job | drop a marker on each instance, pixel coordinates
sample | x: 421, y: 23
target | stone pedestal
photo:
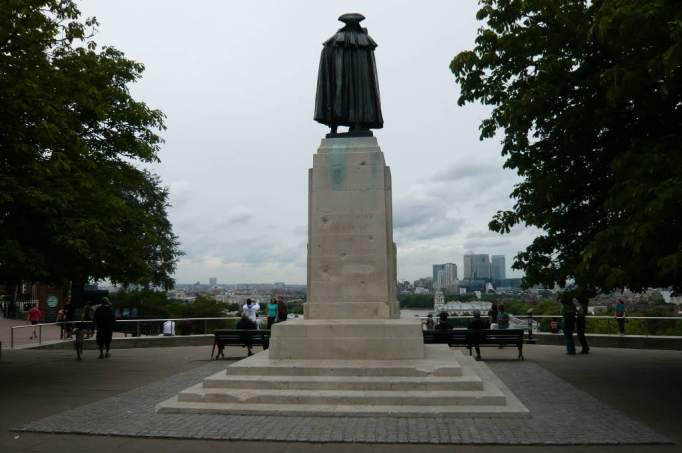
x: 347, y: 339
x: 352, y: 310
x: 351, y: 254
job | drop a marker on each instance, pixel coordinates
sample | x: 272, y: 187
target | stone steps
x: 333, y: 410
x: 444, y: 382
x: 199, y: 393
x: 465, y: 382
x: 262, y: 365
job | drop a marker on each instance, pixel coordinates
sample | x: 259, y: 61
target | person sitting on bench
x: 477, y: 324
x: 443, y: 323
x: 245, y: 323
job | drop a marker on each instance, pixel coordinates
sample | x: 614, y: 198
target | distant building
x: 499, y: 267
x: 508, y: 283
x: 463, y: 308
x: 477, y: 267
x: 468, y: 272
x: 425, y: 283
x: 212, y: 281
x: 438, y: 298
x: 444, y: 276
x: 437, y: 275
x: 404, y: 286
x: 471, y: 285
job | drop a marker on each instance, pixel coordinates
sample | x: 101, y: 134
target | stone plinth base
x: 347, y: 339
x: 444, y: 382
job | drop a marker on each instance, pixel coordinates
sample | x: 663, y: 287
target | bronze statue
x: 347, y: 85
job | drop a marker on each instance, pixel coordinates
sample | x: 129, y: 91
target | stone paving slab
x: 560, y: 415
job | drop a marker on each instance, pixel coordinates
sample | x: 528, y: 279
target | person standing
x: 60, y: 320
x: 568, y: 315
x: 104, y: 323
x: 250, y: 309
x: 475, y: 326
x: 492, y: 313
x: 619, y: 314
x: 86, y: 326
x: 502, y: 318
x: 429, y: 324
x: 272, y: 312
x: 282, y: 311
x: 69, y: 316
x: 580, y: 322
x: 34, y: 316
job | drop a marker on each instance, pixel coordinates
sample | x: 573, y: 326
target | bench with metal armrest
x: 238, y: 337
x: 469, y: 338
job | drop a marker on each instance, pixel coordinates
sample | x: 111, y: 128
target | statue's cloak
x: 347, y: 84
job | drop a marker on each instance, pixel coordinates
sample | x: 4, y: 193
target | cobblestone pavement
x: 561, y: 415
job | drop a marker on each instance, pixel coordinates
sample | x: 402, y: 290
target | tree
x: 588, y: 95
x: 74, y: 204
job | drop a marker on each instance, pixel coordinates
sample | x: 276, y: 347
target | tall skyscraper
x: 468, y: 267
x: 477, y: 267
x: 212, y: 281
x: 444, y: 275
x: 499, y: 267
x: 437, y: 268
x: 450, y: 270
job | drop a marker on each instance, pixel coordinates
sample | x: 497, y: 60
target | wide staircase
x: 444, y: 382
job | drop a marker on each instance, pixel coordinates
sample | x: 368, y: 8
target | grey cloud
x: 459, y: 171
x: 486, y: 244
x: 487, y: 234
x: 237, y: 215
x: 423, y: 218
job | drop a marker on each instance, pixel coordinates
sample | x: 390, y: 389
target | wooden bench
x: 468, y: 338
x: 236, y: 337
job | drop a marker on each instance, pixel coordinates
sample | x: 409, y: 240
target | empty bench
x: 468, y: 338
x: 236, y: 337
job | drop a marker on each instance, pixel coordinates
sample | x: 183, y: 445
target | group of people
x: 276, y: 311
x: 498, y: 318
x: 573, y: 316
x: 476, y: 324
x: 95, y: 317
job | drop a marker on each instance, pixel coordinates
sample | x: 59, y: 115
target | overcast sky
x: 237, y: 83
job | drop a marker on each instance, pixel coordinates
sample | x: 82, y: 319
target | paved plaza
x: 611, y: 396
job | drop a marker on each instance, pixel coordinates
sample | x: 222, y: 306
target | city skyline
x: 241, y: 134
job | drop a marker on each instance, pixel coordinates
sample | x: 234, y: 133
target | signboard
x: 52, y: 301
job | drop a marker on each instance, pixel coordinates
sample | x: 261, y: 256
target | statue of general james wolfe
x: 347, y: 85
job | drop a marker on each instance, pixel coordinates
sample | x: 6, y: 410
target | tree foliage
x: 589, y: 97
x: 156, y: 304
x: 74, y: 203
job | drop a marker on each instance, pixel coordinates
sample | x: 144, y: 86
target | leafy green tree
x: 74, y: 204
x: 588, y: 95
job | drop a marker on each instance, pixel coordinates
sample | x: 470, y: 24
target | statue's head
x: 352, y: 19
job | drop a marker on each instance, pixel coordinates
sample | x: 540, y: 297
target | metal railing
x: 647, y: 326
x: 136, y: 328
x: 607, y: 325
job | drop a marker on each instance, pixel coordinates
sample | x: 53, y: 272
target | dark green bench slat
x: 236, y: 337
x: 484, y: 337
